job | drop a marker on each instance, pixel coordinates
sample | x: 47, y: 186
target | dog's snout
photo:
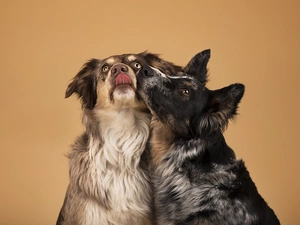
x: 147, y: 71
x: 119, y: 68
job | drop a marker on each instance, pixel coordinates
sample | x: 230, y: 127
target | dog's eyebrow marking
x: 110, y: 60
x: 131, y: 58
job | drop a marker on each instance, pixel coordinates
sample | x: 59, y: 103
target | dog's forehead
x: 121, y: 58
x: 185, y: 81
x: 181, y: 79
x: 159, y: 72
x: 131, y: 57
x: 111, y: 60
x: 134, y: 57
x: 181, y: 76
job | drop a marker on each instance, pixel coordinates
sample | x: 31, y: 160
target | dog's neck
x: 212, y: 148
x: 164, y: 143
x: 161, y: 141
x: 117, y: 138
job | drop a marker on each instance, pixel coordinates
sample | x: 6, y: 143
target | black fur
x: 196, y: 177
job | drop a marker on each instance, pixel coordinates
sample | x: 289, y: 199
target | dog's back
x: 196, y: 178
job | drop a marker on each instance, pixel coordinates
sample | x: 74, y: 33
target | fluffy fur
x: 109, y: 182
x: 196, y: 178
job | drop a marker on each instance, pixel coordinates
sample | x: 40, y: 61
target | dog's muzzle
x: 119, y: 72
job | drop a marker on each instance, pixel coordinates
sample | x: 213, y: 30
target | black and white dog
x: 109, y: 181
x: 196, y: 178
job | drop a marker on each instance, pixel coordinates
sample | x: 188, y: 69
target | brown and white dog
x: 109, y: 182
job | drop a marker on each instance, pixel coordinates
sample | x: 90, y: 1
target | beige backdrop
x: 43, y: 44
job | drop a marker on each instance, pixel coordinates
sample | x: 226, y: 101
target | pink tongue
x: 123, y: 79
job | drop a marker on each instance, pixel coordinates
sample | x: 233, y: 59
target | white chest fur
x: 114, y: 166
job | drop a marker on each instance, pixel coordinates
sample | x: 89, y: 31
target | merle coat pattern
x: 196, y: 177
x: 109, y: 182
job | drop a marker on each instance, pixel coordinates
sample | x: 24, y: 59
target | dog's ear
x: 197, y: 66
x: 84, y: 84
x: 164, y: 66
x: 221, y: 107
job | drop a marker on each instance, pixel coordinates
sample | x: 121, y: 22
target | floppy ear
x: 84, y: 84
x: 164, y: 66
x: 221, y: 107
x: 197, y: 66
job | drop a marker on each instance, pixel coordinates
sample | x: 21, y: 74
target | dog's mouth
x: 122, y: 79
x: 123, y: 84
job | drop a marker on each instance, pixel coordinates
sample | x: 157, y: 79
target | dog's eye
x: 185, y: 92
x: 137, y: 65
x: 105, y: 68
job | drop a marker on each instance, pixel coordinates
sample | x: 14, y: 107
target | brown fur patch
x: 161, y: 141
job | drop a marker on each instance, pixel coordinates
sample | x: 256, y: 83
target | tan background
x: 44, y: 43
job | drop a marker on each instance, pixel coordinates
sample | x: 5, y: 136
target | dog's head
x: 184, y: 103
x: 112, y: 81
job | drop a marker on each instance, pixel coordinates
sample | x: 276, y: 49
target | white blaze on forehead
x: 179, y: 77
x: 131, y: 58
x: 158, y: 71
x: 167, y: 76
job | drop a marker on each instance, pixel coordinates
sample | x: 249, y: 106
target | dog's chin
x: 123, y: 88
x: 124, y: 95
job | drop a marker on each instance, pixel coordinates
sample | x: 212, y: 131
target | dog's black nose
x: 147, y: 71
x: 119, y: 68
